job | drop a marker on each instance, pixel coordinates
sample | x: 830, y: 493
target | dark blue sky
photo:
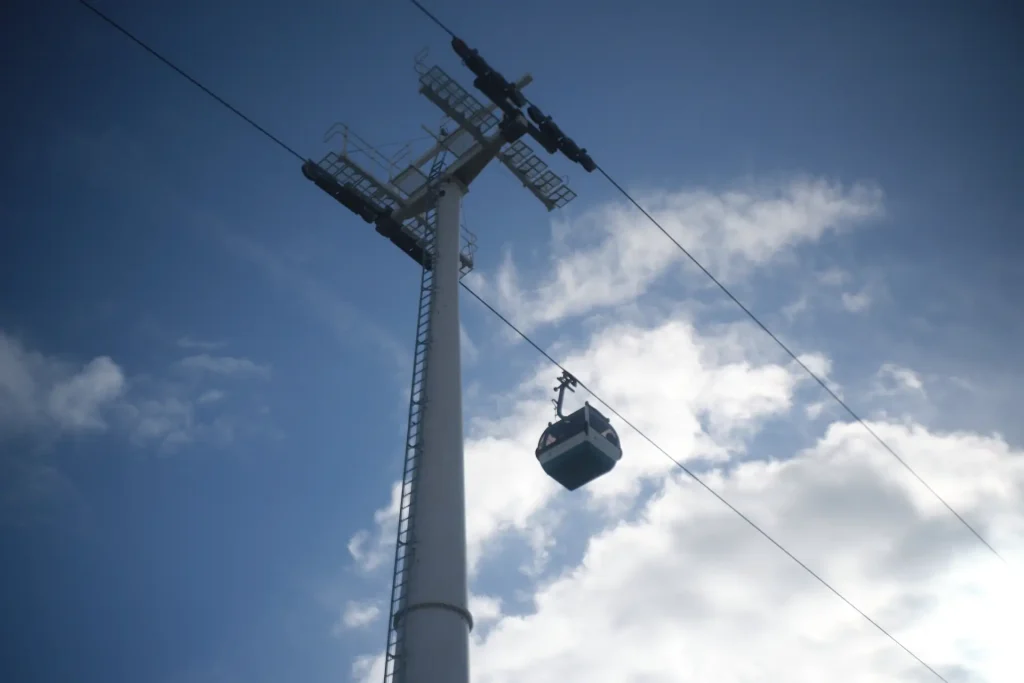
x: 136, y: 212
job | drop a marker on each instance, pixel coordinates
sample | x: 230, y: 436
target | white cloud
x: 76, y: 402
x: 225, y: 365
x: 613, y: 254
x: 36, y: 391
x: 168, y: 421
x: 792, y: 310
x: 817, y: 363
x: 856, y: 303
x: 46, y: 396
x: 644, y: 576
x: 677, y: 567
x: 19, y: 393
x: 898, y: 390
x: 821, y: 366
x: 211, y: 396
x: 671, y: 594
x: 357, y: 615
x: 371, y: 551
x: 469, y: 351
x: 815, y: 410
x: 820, y: 289
x: 688, y: 572
x: 667, y: 379
x: 485, y: 609
x: 904, y: 378
x: 833, y: 277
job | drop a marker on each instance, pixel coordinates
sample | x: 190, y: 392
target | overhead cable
x: 194, y: 82
x: 813, y: 375
x: 690, y: 473
x: 640, y: 432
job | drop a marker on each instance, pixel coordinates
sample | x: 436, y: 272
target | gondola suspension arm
x: 566, y: 381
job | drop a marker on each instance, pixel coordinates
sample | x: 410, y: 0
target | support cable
x: 690, y: 473
x: 493, y: 310
x: 813, y: 375
x: 194, y: 82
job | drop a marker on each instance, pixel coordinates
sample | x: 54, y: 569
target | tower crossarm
x: 399, y: 207
x: 511, y: 100
x: 465, y: 170
x: 461, y: 106
x: 459, y: 141
x: 376, y: 203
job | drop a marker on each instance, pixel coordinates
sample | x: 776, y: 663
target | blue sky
x: 196, y: 529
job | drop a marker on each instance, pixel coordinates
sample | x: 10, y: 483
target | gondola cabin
x: 579, y: 448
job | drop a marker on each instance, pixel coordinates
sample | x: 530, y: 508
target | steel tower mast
x: 419, y: 212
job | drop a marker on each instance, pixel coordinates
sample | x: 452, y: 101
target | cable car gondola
x: 580, y: 447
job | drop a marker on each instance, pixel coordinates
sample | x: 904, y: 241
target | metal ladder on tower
x: 405, y: 545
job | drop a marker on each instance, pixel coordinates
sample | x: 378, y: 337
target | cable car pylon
x: 418, y: 211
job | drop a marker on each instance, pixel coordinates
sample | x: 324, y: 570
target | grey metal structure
x: 418, y: 210
x: 478, y: 121
x: 413, y: 447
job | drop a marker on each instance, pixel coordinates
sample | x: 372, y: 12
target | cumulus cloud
x: 356, y: 615
x: 791, y: 310
x: 833, y: 277
x: 46, y: 396
x: 692, y: 394
x: 167, y: 421
x: 666, y: 565
x: 670, y: 596
x: 669, y: 592
x: 211, y: 396
x: 697, y: 395
x: 613, y: 254
x: 643, y: 575
x: 895, y: 378
x: 36, y: 390
x: 485, y: 609
x: 895, y: 390
x: 76, y: 402
x: 856, y: 302
x: 470, y: 353
x: 819, y: 364
x: 372, y: 550
x: 863, y: 294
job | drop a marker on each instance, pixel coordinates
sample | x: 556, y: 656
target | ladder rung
x: 405, y: 537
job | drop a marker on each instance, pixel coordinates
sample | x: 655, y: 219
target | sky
x: 205, y: 361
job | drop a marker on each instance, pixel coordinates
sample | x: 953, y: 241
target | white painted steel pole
x: 437, y: 619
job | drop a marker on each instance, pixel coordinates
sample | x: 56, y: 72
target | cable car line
x: 544, y: 353
x: 434, y: 19
x: 690, y: 473
x: 181, y: 72
x: 806, y: 369
x: 537, y: 115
